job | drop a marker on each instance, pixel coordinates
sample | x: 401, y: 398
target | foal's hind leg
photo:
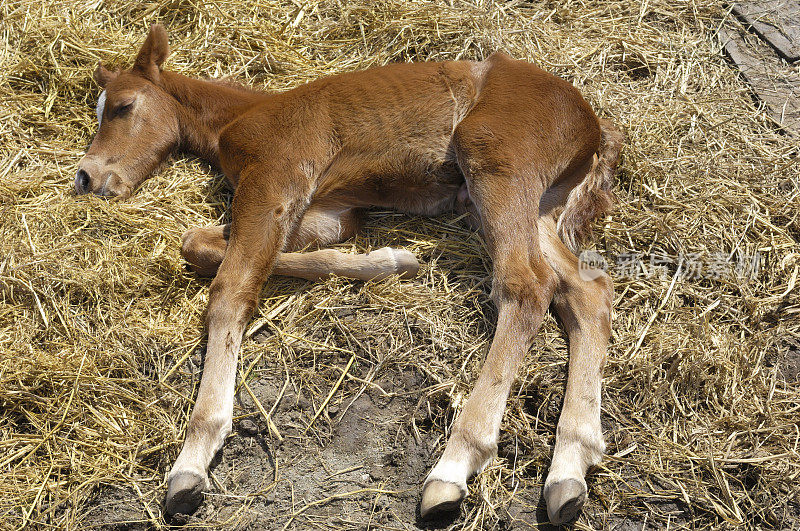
x: 522, y: 288
x: 584, y: 307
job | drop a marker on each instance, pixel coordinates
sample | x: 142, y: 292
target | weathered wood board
x: 776, y: 21
x: 775, y: 83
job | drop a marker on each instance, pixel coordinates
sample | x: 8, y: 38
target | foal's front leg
x: 204, y: 248
x: 262, y: 216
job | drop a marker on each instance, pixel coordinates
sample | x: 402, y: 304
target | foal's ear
x: 103, y: 76
x: 153, y: 53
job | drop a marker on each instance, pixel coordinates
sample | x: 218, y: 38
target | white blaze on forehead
x: 101, y: 105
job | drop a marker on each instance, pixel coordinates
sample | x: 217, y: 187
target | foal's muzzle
x: 91, y: 178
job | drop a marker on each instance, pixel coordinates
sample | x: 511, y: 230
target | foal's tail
x: 593, y: 196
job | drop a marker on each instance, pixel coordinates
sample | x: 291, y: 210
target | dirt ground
x: 369, y: 464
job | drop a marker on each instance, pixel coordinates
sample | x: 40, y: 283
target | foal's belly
x: 413, y: 181
x: 427, y: 191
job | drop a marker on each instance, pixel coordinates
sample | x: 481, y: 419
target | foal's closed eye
x: 124, y: 108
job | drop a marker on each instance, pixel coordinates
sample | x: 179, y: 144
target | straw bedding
x: 101, y: 324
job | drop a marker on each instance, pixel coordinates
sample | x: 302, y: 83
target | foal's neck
x: 206, y: 108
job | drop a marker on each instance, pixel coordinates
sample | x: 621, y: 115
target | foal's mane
x: 231, y: 83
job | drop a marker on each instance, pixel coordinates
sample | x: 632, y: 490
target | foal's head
x: 138, y: 124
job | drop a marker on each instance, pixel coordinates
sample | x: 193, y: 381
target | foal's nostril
x: 81, y: 182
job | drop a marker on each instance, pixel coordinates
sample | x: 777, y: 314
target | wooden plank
x: 775, y: 21
x: 775, y: 83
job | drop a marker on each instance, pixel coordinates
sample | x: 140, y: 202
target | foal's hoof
x: 184, y: 493
x: 439, y: 497
x: 407, y: 263
x: 564, y: 500
x: 400, y: 261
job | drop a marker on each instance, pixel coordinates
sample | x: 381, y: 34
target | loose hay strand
x: 101, y: 324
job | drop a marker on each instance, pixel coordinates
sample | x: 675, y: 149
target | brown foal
x: 517, y: 149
